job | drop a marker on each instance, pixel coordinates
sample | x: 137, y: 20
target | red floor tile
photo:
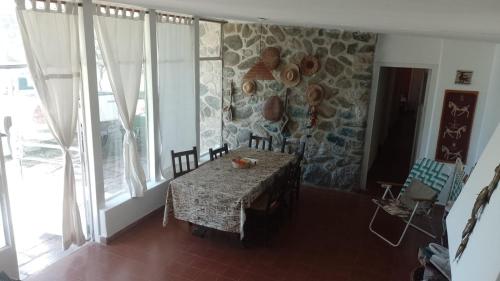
x: 327, y: 238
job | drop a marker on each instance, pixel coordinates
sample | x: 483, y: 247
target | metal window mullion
x: 197, y: 79
x: 153, y: 109
x: 91, y: 115
x: 221, y: 41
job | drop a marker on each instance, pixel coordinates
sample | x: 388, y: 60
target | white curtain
x: 51, y: 43
x: 176, y: 90
x: 121, y: 39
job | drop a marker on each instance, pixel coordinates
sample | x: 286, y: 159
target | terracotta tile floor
x: 326, y: 239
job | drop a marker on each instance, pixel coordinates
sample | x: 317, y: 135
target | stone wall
x: 335, y: 148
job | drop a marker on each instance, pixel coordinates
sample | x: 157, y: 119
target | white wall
x: 116, y: 217
x: 481, y: 258
x: 467, y: 55
x: 491, y: 114
x: 444, y: 57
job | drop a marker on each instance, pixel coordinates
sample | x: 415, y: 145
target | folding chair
x: 417, y: 197
x: 457, y: 183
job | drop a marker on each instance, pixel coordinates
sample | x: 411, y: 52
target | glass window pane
x: 112, y: 132
x: 210, y: 33
x: 210, y: 104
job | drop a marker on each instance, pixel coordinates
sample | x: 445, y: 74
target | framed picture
x: 463, y: 77
x: 456, y: 125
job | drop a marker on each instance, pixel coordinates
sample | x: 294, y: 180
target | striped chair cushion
x: 429, y: 172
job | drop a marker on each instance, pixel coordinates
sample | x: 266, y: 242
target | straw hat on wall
x: 248, y: 87
x: 309, y: 65
x: 314, y: 94
x: 273, y: 109
x: 271, y: 57
x: 290, y: 75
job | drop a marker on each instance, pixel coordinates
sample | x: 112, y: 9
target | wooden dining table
x: 216, y: 194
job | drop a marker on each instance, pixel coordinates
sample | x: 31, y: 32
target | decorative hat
x: 314, y: 94
x: 290, y: 75
x: 273, y: 109
x: 271, y: 57
x: 259, y: 71
x: 309, y: 65
x: 248, y: 87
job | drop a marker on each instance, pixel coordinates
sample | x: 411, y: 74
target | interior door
x: 418, y: 86
x: 8, y: 257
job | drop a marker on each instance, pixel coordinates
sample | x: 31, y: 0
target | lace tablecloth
x: 215, y: 195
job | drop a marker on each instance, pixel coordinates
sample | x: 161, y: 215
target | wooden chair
x: 295, y: 178
x: 259, y: 139
x: 219, y: 151
x: 266, y: 208
x: 178, y: 156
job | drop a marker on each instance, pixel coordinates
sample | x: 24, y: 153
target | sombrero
x: 290, y: 75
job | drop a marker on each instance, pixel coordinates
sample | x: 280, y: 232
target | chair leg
x: 291, y: 199
x: 268, y: 231
x: 298, y: 187
x: 408, y: 224
x: 432, y: 235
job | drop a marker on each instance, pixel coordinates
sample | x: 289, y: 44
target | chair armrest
x: 388, y: 183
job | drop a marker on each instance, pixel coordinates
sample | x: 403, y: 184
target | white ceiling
x: 477, y: 19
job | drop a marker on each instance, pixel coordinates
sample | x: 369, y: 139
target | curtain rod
x: 214, y: 20
x: 138, y: 9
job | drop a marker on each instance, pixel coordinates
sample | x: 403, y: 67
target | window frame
x: 204, y: 156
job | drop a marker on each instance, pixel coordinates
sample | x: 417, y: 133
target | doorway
x: 398, y: 111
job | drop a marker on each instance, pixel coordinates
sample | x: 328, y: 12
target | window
x: 112, y: 132
x: 210, y: 85
x: 3, y: 243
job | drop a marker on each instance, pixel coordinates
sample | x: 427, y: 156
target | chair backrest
x: 218, y: 152
x: 259, y: 139
x: 457, y: 181
x: 177, y: 157
x: 418, y: 190
x: 293, y: 146
x: 429, y: 172
x: 278, y: 188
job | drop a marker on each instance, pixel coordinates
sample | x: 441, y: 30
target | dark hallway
x: 400, y: 96
x: 393, y: 161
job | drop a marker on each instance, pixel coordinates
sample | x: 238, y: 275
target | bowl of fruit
x: 243, y: 163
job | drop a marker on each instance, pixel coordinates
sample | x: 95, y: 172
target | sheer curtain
x: 51, y: 43
x: 176, y: 88
x: 121, y: 39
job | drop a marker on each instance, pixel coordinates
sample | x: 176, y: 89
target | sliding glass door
x: 32, y: 163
